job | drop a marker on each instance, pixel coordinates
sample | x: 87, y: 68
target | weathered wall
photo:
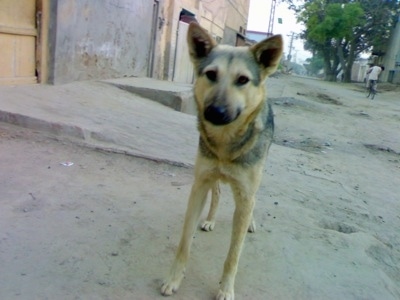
x: 359, y: 70
x: 100, y: 39
x: 238, y: 12
x: 212, y: 15
x: 392, y: 58
x: 229, y: 36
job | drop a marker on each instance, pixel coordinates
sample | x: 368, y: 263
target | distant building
x: 359, y: 70
x: 391, y: 60
x: 257, y: 36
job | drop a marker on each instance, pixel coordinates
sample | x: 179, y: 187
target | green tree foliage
x: 330, y: 30
x: 339, y: 30
x: 314, y: 65
x: 332, y: 21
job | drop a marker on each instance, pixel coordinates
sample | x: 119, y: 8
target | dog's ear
x: 199, y: 41
x: 268, y: 54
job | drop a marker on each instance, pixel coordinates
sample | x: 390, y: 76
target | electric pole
x: 271, y: 18
x: 292, y: 37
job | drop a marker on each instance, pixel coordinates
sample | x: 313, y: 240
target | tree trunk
x: 342, y: 61
x: 335, y: 67
x: 330, y: 77
x: 328, y: 70
x: 350, y: 61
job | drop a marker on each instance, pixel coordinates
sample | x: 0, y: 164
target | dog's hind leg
x: 196, y: 203
x: 209, y: 223
x: 252, y: 227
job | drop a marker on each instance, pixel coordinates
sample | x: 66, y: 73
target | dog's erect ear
x: 199, y: 41
x: 268, y: 54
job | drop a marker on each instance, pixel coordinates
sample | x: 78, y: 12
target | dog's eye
x: 242, y: 80
x: 211, y: 75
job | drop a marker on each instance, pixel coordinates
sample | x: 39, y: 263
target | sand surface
x: 106, y: 227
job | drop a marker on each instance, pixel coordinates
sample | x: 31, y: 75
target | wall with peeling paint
x: 100, y: 39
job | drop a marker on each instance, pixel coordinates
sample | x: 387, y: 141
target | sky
x: 259, y: 19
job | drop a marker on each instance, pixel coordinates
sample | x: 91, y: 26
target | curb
x: 38, y: 124
x: 179, y: 101
x: 83, y: 137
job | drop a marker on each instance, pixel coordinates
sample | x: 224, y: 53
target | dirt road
x: 106, y: 227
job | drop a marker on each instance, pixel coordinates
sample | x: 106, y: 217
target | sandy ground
x: 328, y: 210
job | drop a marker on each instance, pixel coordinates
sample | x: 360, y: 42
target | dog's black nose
x: 218, y: 115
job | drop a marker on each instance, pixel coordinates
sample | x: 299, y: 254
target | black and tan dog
x: 236, y: 127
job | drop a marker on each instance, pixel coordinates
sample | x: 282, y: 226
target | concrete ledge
x: 101, y: 116
x: 56, y: 128
x: 178, y: 96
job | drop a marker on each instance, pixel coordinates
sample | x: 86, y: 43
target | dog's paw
x: 171, y: 284
x: 169, y: 287
x: 208, y: 225
x: 230, y: 295
x: 252, y: 227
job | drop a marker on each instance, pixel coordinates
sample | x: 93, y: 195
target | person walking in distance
x: 372, y: 78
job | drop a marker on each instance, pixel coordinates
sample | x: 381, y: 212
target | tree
x: 330, y: 30
x: 314, y: 65
x: 381, y: 17
x: 340, y: 30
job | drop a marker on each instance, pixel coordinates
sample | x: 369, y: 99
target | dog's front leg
x: 242, y: 218
x: 196, y: 203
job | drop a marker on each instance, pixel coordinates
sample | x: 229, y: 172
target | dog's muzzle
x: 219, y: 115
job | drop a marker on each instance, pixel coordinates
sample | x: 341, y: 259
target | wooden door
x: 17, y: 41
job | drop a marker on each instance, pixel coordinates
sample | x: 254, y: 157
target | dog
x: 236, y: 127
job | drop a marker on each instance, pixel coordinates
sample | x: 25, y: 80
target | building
x: 257, y: 36
x: 59, y: 41
x: 225, y: 20
x: 391, y: 60
x: 359, y: 70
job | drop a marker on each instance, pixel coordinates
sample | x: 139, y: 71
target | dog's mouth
x: 220, y: 115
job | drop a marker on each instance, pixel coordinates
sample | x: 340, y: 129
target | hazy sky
x: 259, y: 15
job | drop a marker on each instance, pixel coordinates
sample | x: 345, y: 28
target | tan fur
x: 219, y: 158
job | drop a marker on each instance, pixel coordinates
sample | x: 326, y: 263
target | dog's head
x: 230, y: 80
